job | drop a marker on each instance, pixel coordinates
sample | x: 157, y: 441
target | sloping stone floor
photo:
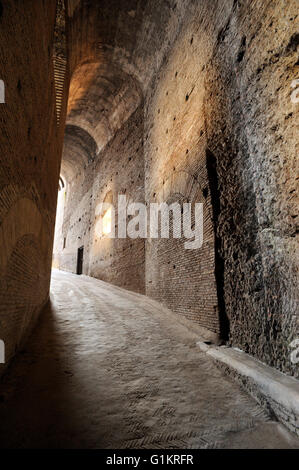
x: 105, y: 368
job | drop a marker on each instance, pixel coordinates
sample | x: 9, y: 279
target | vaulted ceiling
x: 114, y: 50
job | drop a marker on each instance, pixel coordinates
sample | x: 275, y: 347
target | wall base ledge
x: 275, y: 391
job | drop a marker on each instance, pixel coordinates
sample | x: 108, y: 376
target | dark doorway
x: 80, y: 260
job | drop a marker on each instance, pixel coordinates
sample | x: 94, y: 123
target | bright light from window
x: 107, y: 222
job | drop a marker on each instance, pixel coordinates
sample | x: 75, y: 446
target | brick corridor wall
x: 117, y: 169
x: 29, y: 166
x: 77, y: 219
x: 120, y: 170
x: 219, y: 128
x: 220, y: 112
x: 176, y: 168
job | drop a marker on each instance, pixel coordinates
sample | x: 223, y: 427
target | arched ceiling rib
x: 133, y: 35
x: 101, y: 99
x: 79, y: 150
x: 115, y: 48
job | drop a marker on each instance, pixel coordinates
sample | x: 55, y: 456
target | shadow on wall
x: 219, y: 261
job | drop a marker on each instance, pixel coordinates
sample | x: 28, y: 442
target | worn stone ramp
x: 106, y: 368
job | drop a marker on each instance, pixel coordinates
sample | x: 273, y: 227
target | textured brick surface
x: 29, y: 165
x: 118, y: 169
x: 220, y: 110
x: 251, y: 130
x: 168, y: 101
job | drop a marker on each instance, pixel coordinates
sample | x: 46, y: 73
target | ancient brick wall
x: 120, y: 170
x: 117, y: 169
x: 219, y: 127
x: 175, y: 170
x: 220, y: 111
x: 29, y: 165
